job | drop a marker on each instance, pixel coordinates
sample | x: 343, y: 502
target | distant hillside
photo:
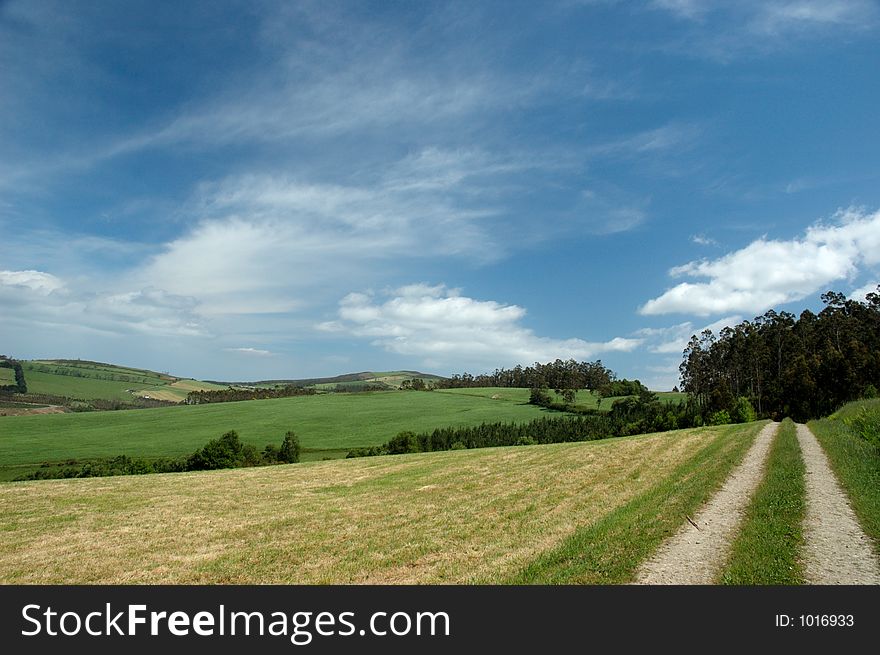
x: 87, y: 380
x: 384, y: 379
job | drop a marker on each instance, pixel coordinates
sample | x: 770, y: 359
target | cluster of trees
x: 416, y: 384
x: 355, y: 387
x: 20, y: 385
x: 235, y: 394
x: 553, y: 375
x: 803, y: 367
x: 622, y: 388
x: 226, y: 452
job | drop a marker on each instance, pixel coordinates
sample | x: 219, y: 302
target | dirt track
x: 837, y: 551
x: 694, y: 556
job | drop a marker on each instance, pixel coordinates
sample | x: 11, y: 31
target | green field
x: 323, y: 422
x: 93, y: 380
x: 451, y: 517
x: 7, y: 376
x: 585, y: 398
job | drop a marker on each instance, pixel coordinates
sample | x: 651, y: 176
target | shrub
x: 404, y: 442
x: 458, y: 446
x: 223, y: 453
x: 539, y: 396
x: 743, y: 412
x: 720, y: 417
x: 289, y: 452
x: 525, y: 441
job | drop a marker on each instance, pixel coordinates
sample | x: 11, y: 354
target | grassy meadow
x: 584, y: 398
x: 477, y: 516
x: 7, y: 376
x: 327, y: 424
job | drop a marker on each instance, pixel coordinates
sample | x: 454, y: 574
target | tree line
x: 639, y: 414
x: 235, y: 394
x: 226, y: 452
x: 559, y: 374
x: 20, y: 385
x: 803, y: 367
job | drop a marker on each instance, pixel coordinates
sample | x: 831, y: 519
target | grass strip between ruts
x: 770, y: 540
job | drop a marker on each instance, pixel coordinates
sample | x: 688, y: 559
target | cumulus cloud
x: 45, y: 298
x: 770, y: 272
x: 440, y: 324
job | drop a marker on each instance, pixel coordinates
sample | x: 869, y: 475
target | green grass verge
x: 767, y: 549
x: 610, y: 550
x: 856, y: 463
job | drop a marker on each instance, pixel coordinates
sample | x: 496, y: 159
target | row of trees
x: 803, y: 367
x: 637, y: 414
x: 226, y: 452
x: 553, y: 375
x: 20, y: 385
x: 235, y: 394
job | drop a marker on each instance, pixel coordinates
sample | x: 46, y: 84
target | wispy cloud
x: 252, y: 352
x: 703, y: 240
x: 674, y: 338
x: 770, y: 272
x: 725, y: 31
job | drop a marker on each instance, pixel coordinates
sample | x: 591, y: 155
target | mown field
x: 327, y: 424
x: 478, y: 516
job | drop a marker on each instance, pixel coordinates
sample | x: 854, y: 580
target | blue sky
x: 247, y: 190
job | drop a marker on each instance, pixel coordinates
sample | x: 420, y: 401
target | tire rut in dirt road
x: 695, y: 556
x: 837, y: 550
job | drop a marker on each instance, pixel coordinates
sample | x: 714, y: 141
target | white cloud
x: 42, y: 283
x: 773, y: 18
x: 443, y: 326
x: 44, y: 298
x: 863, y: 291
x: 674, y: 339
x: 271, y: 244
x: 770, y: 272
x: 702, y: 240
x: 254, y: 352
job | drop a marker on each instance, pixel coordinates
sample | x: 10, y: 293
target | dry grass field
x: 450, y: 517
